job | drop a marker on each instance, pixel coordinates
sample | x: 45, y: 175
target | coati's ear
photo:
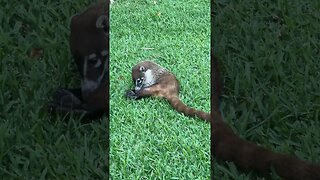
x: 73, y: 21
x: 74, y: 17
x: 142, y: 69
x: 102, y: 22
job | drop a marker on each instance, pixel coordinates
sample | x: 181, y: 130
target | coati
x: 90, y: 50
x: 228, y: 146
x: 153, y: 80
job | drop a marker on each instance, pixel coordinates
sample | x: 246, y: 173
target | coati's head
x: 89, y: 45
x: 145, y: 74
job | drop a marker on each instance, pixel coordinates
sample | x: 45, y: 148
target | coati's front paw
x: 131, y: 94
x: 64, y: 100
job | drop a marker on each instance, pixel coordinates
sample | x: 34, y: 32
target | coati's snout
x: 138, y: 77
x: 139, y: 83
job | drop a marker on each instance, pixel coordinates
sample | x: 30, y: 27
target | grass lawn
x: 34, y: 145
x: 148, y: 139
x: 270, y: 58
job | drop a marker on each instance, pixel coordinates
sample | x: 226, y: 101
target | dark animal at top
x: 90, y: 50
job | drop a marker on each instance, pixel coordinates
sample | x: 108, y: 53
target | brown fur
x: 165, y: 85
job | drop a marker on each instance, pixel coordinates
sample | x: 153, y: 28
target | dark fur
x: 86, y: 39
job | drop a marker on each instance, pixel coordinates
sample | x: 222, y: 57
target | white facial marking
x: 100, y: 23
x: 92, y: 56
x: 104, y: 53
x: 148, y: 78
x: 138, y: 87
x: 98, y: 63
x: 88, y: 85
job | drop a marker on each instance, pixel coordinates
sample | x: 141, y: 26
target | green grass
x: 269, y: 53
x: 33, y: 144
x: 148, y: 139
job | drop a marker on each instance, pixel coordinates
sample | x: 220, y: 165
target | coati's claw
x: 65, y: 98
x: 131, y: 94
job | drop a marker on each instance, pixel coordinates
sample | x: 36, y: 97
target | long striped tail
x: 178, y: 105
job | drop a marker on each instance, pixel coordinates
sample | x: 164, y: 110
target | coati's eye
x: 142, y: 69
x: 92, y: 58
x: 140, y: 80
x: 102, y: 22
